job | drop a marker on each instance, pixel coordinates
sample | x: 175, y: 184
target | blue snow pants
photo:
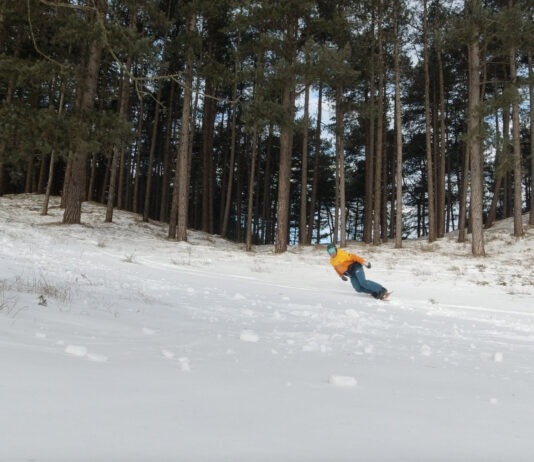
x: 361, y: 284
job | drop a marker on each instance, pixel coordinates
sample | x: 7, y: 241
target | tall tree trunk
x: 464, y: 187
x: 107, y: 169
x: 225, y: 132
x: 369, y: 176
x: 508, y: 160
x: 386, y: 169
x: 441, y: 193
x: 252, y: 173
x: 231, y: 168
x: 450, y: 206
x: 92, y: 169
x: 180, y: 196
x: 531, y: 90
x: 428, y: 130
x: 518, y: 197
x: 398, y: 130
x: 379, y: 152
x: 267, y: 203
x: 137, y: 156
x: 370, y: 147
x: 238, y: 192
x: 304, y: 169
x: 76, y: 187
x: 193, y: 181
x: 340, y: 169
x: 284, y: 175
x: 316, y: 164
x: 474, y: 140
x: 112, y: 184
x: 286, y: 142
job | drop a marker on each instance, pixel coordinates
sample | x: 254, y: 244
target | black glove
x: 368, y: 265
x: 344, y: 278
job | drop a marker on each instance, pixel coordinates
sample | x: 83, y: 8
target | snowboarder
x: 349, y: 265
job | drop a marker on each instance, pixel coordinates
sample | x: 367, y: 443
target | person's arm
x: 339, y: 271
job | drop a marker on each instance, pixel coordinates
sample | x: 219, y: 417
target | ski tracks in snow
x: 285, y: 317
x: 254, y: 311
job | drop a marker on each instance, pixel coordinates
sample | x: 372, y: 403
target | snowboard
x: 386, y: 297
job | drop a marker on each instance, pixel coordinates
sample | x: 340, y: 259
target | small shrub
x: 427, y: 248
x: 185, y: 261
x: 46, y: 289
x: 129, y: 258
x: 40, y: 286
x: 8, y: 303
x: 456, y: 269
x: 421, y: 272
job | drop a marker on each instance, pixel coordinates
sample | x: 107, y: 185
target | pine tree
x: 474, y: 130
x: 398, y: 125
x: 75, y: 188
x: 531, y: 93
x: 289, y: 27
x: 428, y: 133
x: 180, y: 198
x: 518, y: 201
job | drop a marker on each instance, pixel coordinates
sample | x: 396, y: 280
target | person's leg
x: 361, y: 284
x: 356, y: 283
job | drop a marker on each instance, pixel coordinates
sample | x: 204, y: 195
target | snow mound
x: 343, y: 381
x: 97, y: 358
x: 167, y: 354
x: 76, y: 350
x: 184, y: 364
x: 249, y: 336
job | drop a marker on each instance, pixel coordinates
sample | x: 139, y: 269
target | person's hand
x: 344, y: 278
x: 368, y: 265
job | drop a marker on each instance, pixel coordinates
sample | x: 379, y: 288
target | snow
x: 147, y: 349
x: 343, y: 381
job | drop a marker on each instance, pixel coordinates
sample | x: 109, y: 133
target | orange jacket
x: 342, y: 260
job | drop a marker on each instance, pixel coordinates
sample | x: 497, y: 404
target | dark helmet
x: 331, y: 249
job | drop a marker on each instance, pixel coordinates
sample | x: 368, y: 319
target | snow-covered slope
x: 117, y: 344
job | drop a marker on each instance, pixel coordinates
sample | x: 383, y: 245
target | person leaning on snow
x: 349, y: 265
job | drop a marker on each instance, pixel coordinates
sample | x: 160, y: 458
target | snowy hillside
x: 119, y: 345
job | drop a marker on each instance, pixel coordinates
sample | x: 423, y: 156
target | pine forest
x: 274, y: 122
